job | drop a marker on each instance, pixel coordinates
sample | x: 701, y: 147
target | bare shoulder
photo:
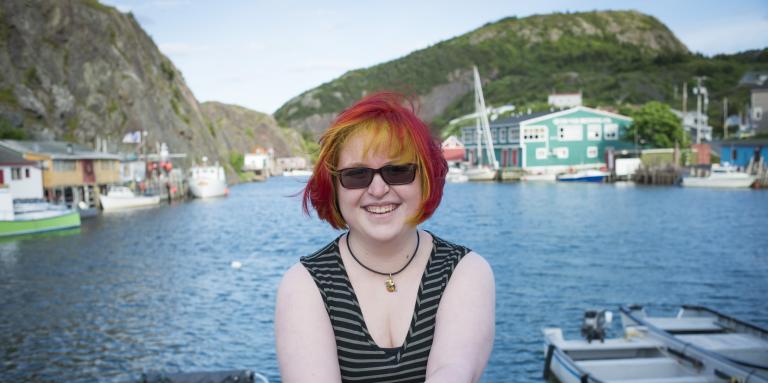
x: 306, y: 347
x: 473, y: 268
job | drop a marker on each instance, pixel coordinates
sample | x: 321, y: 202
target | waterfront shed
x: 554, y: 142
x: 71, y: 172
x: 742, y: 153
x: 22, y: 177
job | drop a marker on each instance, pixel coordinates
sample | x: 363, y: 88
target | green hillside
x: 616, y: 58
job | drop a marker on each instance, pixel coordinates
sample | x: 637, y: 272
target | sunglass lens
x: 356, y: 178
x: 398, y: 174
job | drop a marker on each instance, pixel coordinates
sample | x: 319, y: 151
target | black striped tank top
x: 360, y: 359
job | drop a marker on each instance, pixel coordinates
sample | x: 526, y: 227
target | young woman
x: 385, y: 301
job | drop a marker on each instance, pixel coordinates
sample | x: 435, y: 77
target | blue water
x: 154, y: 290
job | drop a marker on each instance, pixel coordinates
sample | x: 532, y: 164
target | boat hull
x: 119, y: 203
x: 728, y: 183
x: 480, y: 174
x: 208, y: 188
x: 65, y: 220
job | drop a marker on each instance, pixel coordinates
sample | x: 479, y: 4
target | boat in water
x: 539, y: 177
x: 456, y: 175
x: 481, y: 174
x: 121, y: 197
x: 700, y: 327
x: 639, y: 355
x: 33, y: 217
x: 721, y: 177
x: 588, y: 175
x: 207, y: 181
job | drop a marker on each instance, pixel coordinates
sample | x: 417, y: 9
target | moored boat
x: 456, y: 175
x: 700, y: 327
x: 481, y: 174
x: 640, y: 355
x: 588, y: 175
x: 121, y: 197
x: 207, y: 181
x: 721, y: 177
x: 33, y: 218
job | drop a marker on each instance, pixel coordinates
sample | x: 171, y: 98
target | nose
x: 378, y: 188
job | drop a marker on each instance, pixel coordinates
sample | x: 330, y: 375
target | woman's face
x: 380, y: 211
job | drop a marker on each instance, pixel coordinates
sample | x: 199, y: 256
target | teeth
x: 380, y: 209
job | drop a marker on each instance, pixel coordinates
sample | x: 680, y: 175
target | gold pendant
x: 390, y: 284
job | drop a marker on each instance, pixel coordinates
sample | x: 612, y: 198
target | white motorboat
x: 456, y: 175
x: 639, y: 356
x: 28, y: 217
x: 721, y: 177
x: 297, y: 173
x: 481, y: 174
x: 696, y: 326
x: 207, y: 181
x: 121, y: 197
x: 587, y: 175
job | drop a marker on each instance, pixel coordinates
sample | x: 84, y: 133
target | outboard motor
x: 593, y: 326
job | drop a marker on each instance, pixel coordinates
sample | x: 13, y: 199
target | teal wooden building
x: 552, y: 142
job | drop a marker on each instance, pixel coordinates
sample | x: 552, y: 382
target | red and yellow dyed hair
x: 391, y: 128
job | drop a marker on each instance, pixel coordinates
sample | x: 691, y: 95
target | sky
x: 259, y: 54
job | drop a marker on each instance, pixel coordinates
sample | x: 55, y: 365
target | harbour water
x: 155, y: 289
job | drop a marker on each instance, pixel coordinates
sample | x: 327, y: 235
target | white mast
x: 483, y: 126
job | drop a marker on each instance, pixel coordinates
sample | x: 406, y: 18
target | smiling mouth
x: 382, y: 209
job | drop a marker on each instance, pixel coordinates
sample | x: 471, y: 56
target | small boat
x: 297, y: 173
x: 36, y: 217
x: 721, y: 177
x: 735, y: 340
x: 121, y: 197
x: 481, y: 174
x: 207, y: 181
x: 456, y: 175
x: 588, y: 175
x: 640, y: 355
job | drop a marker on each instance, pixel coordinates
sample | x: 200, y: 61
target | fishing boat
x: 121, y: 197
x: 32, y: 218
x: 640, y: 355
x: 481, y: 174
x: 738, y: 341
x: 588, y: 175
x: 539, y: 177
x: 207, y: 181
x: 721, y: 177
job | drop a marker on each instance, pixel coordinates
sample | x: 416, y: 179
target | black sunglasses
x: 358, y: 178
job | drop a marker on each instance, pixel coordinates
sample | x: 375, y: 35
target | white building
x: 689, y: 125
x: 23, y: 178
x: 287, y: 164
x: 564, y: 100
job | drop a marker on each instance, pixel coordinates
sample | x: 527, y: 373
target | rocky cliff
x: 80, y: 71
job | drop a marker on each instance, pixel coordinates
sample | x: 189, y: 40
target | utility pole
x: 685, y: 99
x: 725, y: 117
x: 700, y: 92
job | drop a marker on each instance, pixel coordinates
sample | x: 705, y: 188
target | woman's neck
x: 383, y: 254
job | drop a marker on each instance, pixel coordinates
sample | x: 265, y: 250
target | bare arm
x: 465, y: 324
x: 306, y: 345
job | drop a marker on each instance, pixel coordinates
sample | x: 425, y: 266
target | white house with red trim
x: 24, y: 178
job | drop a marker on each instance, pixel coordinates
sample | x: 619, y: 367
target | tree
x: 655, y: 124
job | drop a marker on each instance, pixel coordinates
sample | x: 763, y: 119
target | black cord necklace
x: 390, y: 283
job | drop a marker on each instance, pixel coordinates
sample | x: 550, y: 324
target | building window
x: 535, y: 133
x: 513, y: 134
x: 758, y: 113
x: 15, y: 173
x: 64, y: 166
x: 561, y: 153
x: 592, y: 152
x: 611, y: 131
x: 593, y: 132
x: 734, y: 154
x: 26, y: 173
x: 541, y: 153
x: 570, y: 132
x: 495, y: 135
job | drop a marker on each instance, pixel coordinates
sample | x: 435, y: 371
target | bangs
x: 380, y: 138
